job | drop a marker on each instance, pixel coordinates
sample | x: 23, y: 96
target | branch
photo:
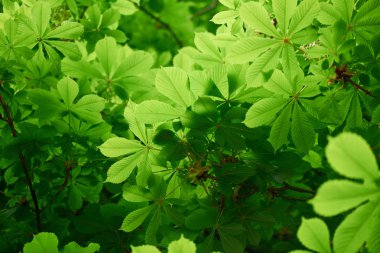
x: 277, y: 191
x: 203, y: 11
x: 165, y: 25
x: 21, y: 157
x: 358, y: 87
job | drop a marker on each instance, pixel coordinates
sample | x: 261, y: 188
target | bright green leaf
x: 314, y: 234
x: 42, y: 243
x: 135, y: 218
x: 118, y: 146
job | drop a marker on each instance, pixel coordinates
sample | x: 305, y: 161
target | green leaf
x: 107, y: 53
x: 247, y: 49
x: 49, y: 105
x: 68, y: 30
x: 289, y: 62
x: 203, y: 42
x: 172, y: 83
x: 121, y: 170
x: 374, y: 238
x: 125, y: 7
x: 41, y: 16
x: 265, y: 62
x: 74, y: 199
x: 230, y: 243
x: 73, y: 247
x: 153, y: 111
x: 279, y: 84
x: 79, y: 69
x: 255, y: 16
x: 136, y: 193
x: 302, y: 130
x: 118, y: 146
x: 336, y: 196
x: 345, y: 9
x: 89, y: 108
x: 137, y: 128
x: 182, y: 245
x: 263, y: 112
x: 314, y: 234
x: 136, y: 218
x: 355, y: 228
x: 349, y: 155
x: 145, y: 249
x: 68, y: 90
x: 328, y: 14
x: 280, y: 129
x: 42, y: 243
x: 283, y: 11
x: 154, y: 223
x: 134, y: 64
x: 69, y: 49
x: 305, y: 12
x: 355, y: 116
x: 196, y: 221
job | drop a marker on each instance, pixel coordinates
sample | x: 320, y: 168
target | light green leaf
x: 89, y: 108
x: 224, y: 17
x: 172, y: 82
x: 314, y: 234
x: 134, y: 64
x: 247, y: 49
x: 121, y: 170
x: 336, y: 196
x: 152, y: 111
x: 264, y: 62
x: 118, y: 146
x: 182, y: 245
x: 73, y: 247
x: 283, y: 10
x: 42, y: 243
x: 279, y: 84
x: 145, y: 168
x: 69, y: 49
x: 151, y: 230
x: 135, y: 125
x: 349, y: 155
x: 305, y: 12
x: 345, y: 9
x: 49, y: 105
x: 255, y: 16
x: 79, y: 69
x: 204, y: 42
x: 303, y: 134
x: 368, y: 9
x: 219, y: 76
x: 136, y: 193
x: 355, y: 116
x: 263, y: 112
x: 374, y: 238
x: 355, y: 228
x: 289, y: 62
x: 280, y: 129
x: 107, y: 53
x: 41, y: 16
x: 328, y: 14
x: 68, y: 30
x: 125, y: 7
x: 68, y: 90
x: 135, y: 218
x: 145, y: 249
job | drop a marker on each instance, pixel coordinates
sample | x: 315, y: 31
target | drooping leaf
x: 314, y: 234
x: 136, y: 218
x: 121, y: 170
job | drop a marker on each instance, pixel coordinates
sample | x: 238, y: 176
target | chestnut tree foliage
x: 188, y: 126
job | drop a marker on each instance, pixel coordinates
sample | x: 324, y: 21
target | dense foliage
x: 141, y: 126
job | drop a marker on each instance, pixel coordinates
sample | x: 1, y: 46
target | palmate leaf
x: 41, y: 12
x: 304, y: 14
x: 136, y: 193
x: 280, y: 129
x: 302, y: 130
x: 314, y: 234
x: 121, y: 170
x: 136, y: 218
x: 289, y: 62
x: 264, y: 111
x: 118, y: 146
x: 137, y: 128
x: 336, y: 196
x: 284, y: 10
x: 356, y: 228
x: 153, y: 111
x: 68, y: 30
x: 247, y: 49
x: 256, y: 17
x: 351, y: 156
x: 107, y: 53
x: 172, y: 82
x: 68, y: 90
x: 328, y: 14
x: 134, y: 64
x: 42, y: 243
x: 279, y: 84
x: 182, y: 245
x: 69, y: 49
x: 344, y: 8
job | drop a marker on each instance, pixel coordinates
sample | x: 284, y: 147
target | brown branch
x: 277, y: 191
x: 24, y: 167
x: 203, y: 11
x: 165, y: 25
x: 358, y: 87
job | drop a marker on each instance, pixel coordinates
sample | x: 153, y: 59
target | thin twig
x: 165, y: 25
x: 208, y: 8
x: 358, y: 87
x: 24, y: 167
